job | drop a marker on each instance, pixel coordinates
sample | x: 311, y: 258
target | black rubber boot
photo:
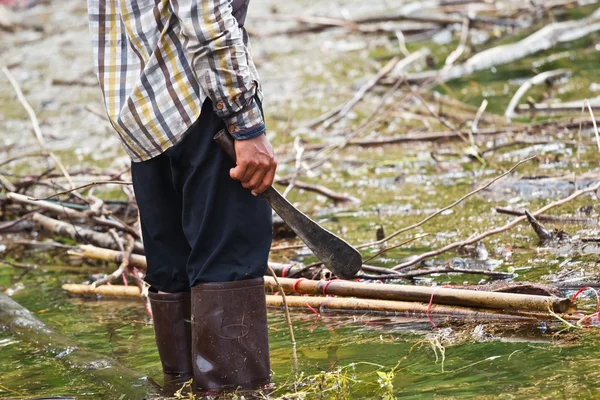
x: 172, y: 328
x: 230, y: 342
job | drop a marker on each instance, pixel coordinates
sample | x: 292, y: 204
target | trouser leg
x: 167, y: 252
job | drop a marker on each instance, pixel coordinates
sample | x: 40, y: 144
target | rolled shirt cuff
x: 246, y: 124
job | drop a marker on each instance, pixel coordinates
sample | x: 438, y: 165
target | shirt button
x: 220, y: 105
x: 231, y: 128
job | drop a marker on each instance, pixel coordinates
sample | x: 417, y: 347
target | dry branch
x: 536, y: 80
x: 319, y: 189
x: 78, y: 233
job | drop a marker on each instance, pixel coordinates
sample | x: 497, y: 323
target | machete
x: 337, y: 255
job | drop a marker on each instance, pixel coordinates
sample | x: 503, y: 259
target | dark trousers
x: 198, y: 224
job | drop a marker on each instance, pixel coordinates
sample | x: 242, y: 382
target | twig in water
x: 124, y: 263
x: 587, y: 102
x: 395, y: 247
x: 289, y: 321
x: 495, y: 231
x: 479, y: 189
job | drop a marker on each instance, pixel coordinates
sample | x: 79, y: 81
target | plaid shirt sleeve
x: 220, y: 60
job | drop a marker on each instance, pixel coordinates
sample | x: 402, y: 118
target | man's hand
x: 256, y: 164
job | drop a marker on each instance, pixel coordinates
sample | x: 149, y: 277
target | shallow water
x: 507, y: 361
x: 396, y: 185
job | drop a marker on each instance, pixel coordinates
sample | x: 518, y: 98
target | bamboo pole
x: 139, y: 261
x: 404, y: 307
x: 339, y: 303
x: 448, y: 296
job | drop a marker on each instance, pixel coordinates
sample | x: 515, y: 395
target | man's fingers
x: 266, y: 182
x: 251, y: 168
x: 238, y: 172
x: 256, y: 179
x: 243, y: 171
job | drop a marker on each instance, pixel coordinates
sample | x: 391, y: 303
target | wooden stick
x: 335, y: 115
x: 549, y: 218
x: 36, y: 125
x: 320, y: 189
x: 46, y: 205
x: 288, y: 319
x: 97, y: 253
x: 457, y: 297
x: 104, y: 290
x: 536, y: 80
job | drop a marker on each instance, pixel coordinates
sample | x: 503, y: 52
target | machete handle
x: 225, y: 140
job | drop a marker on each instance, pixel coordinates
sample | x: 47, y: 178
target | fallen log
x: 348, y: 304
x: 119, y: 381
x: 447, y: 296
x: 72, y: 231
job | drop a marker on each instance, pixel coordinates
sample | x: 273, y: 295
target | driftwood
x: 543, y: 39
x: 72, y: 231
x: 459, y: 297
x: 119, y: 381
x: 351, y: 304
x: 139, y: 261
x: 121, y: 291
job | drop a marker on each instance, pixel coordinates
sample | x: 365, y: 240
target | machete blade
x: 338, y: 256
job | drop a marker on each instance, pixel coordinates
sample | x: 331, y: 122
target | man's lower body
x: 207, y: 241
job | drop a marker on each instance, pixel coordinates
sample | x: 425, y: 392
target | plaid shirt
x: 158, y: 60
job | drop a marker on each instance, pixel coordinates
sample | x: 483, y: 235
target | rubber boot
x: 230, y: 342
x: 172, y: 329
